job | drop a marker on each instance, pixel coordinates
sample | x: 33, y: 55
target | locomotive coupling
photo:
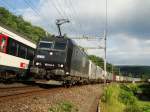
x: 36, y: 70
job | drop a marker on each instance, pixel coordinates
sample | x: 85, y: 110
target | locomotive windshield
x: 60, y: 45
x: 47, y: 45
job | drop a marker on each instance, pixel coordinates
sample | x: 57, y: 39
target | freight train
x: 15, y: 54
x: 62, y: 60
x: 54, y: 59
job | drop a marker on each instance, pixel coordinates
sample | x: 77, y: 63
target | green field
x: 125, y: 98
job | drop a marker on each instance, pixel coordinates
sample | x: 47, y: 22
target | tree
x: 100, y: 62
x: 97, y: 60
x: 18, y: 24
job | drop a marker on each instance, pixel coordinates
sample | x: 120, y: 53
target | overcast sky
x: 128, y: 24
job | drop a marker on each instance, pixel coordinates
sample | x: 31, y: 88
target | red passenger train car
x: 16, y: 53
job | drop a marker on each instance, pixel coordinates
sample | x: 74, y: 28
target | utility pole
x: 112, y: 69
x: 105, y: 38
x: 119, y: 71
x: 59, y: 22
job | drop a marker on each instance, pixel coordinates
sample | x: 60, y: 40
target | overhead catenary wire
x: 28, y: 3
x: 57, y: 9
x: 65, y: 14
x: 65, y: 9
x: 61, y: 6
x: 4, y: 4
x: 75, y: 13
x: 43, y: 16
x: 60, y: 11
x: 35, y: 12
x: 72, y: 15
x: 7, y: 5
x: 11, y: 7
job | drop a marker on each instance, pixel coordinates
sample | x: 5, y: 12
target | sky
x: 128, y: 37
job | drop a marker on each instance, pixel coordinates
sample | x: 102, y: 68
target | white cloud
x: 128, y: 50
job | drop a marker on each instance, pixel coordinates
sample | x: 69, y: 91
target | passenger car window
x: 12, y: 47
x: 30, y: 54
x: 22, y: 52
x: 3, y: 44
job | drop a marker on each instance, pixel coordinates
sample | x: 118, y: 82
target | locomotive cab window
x: 60, y: 45
x: 46, y: 45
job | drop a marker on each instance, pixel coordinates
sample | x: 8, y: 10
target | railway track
x: 20, y: 93
x: 84, y: 97
x: 24, y: 91
x: 17, y: 91
x: 11, y: 88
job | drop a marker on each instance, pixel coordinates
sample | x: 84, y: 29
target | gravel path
x: 85, y: 98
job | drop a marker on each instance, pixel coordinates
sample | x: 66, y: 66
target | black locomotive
x: 60, y: 59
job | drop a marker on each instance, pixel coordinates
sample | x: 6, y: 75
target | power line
x: 75, y: 12
x: 72, y: 15
x: 65, y: 14
x: 37, y: 13
x: 7, y: 5
x: 62, y: 16
x: 55, y: 6
x: 62, y: 9
x: 61, y: 12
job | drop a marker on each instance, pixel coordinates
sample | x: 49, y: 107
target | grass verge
x: 122, y: 98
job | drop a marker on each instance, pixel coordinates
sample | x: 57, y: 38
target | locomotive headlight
x: 40, y: 56
x: 67, y: 73
x: 61, y: 65
x: 51, y: 53
x: 37, y: 63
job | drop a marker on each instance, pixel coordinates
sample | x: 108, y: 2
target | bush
x: 134, y: 88
x: 122, y: 98
x: 127, y: 98
x: 124, y: 87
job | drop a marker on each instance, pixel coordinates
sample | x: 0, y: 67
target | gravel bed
x: 85, y: 98
x: 13, y: 91
x: 2, y: 85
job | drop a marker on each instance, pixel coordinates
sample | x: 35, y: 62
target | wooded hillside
x: 100, y: 62
x: 18, y: 24
x: 136, y: 71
